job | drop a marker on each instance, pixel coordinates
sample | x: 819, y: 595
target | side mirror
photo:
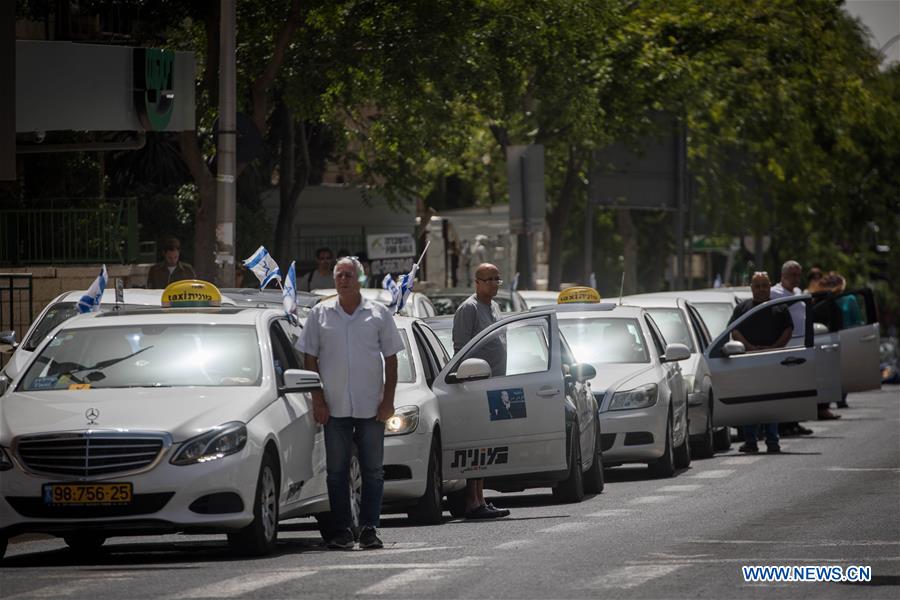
x: 676, y: 352
x: 4, y: 383
x: 298, y: 381
x: 473, y: 369
x: 733, y: 347
x: 820, y: 329
x: 8, y: 338
x: 583, y: 372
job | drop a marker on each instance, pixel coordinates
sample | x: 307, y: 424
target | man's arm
x: 320, y: 408
x: 386, y: 408
x: 782, y: 341
x: 739, y: 337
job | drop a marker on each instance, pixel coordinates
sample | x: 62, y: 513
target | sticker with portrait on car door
x: 506, y: 404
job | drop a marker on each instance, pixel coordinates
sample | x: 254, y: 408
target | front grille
x: 607, y: 440
x: 89, y: 454
x: 638, y: 438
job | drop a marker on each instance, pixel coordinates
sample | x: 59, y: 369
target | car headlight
x: 642, y: 397
x: 5, y: 462
x: 216, y: 443
x: 404, y: 420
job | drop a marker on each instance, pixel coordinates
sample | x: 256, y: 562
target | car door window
x: 655, y: 336
x: 518, y: 348
x: 283, y: 356
x: 699, y: 328
x: 436, y: 346
x: 672, y: 325
x: 428, y: 367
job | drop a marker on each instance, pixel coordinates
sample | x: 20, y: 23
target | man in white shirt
x: 353, y: 344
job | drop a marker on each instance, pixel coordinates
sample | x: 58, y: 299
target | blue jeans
x: 339, y: 438
x: 749, y: 432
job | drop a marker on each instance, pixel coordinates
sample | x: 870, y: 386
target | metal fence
x: 16, y: 305
x: 107, y: 233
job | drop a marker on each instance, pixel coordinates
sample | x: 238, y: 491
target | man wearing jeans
x: 353, y: 344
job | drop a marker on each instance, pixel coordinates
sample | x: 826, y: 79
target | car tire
x: 722, y: 439
x: 429, y: 509
x: 571, y: 490
x: 84, y: 543
x: 683, y: 451
x: 325, y: 521
x: 664, y: 466
x: 261, y: 535
x: 593, y: 479
x: 705, y: 446
x: 3, y: 543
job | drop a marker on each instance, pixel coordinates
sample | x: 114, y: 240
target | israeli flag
x: 263, y: 266
x: 593, y: 281
x: 289, y: 292
x: 406, y: 286
x: 515, y: 282
x: 390, y: 285
x: 90, y: 302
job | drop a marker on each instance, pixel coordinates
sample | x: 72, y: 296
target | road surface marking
x: 514, y: 544
x: 74, y: 587
x: 611, y: 512
x: 680, y: 488
x: 650, y: 499
x: 632, y: 576
x: 414, y: 579
x: 865, y: 469
x: 245, y: 584
x: 801, y: 542
x: 714, y: 474
x: 565, y: 527
x: 741, y: 460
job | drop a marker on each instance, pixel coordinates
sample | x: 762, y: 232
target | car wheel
x: 326, y: 522
x: 260, y: 536
x: 664, y: 466
x: 572, y: 489
x: 428, y: 510
x: 593, y: 479
x: 722, y: 439
x: 705, y: 447
x: 683, y: 451
x: 3, y: 543
x: 86, y: 543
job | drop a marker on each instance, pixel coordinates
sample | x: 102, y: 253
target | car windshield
x: 57, y: 314
x: 673, y: 326
x: 159, y: 355
x: 447, y: 305
x: 605, y: 340
x: 716, y: 315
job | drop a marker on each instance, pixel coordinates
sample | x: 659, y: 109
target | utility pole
x: 225, y: 147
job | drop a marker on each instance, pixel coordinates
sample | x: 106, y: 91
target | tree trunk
x: 292, y: 182
x: 559, y: 218
x: 628, y: 233
x: 205, y: 215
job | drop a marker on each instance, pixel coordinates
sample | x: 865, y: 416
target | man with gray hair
x: 353, y: 344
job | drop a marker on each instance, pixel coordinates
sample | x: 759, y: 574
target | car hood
x: 614, y: 376
x: 183, y: 412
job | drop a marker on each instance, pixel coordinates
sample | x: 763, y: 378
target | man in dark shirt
x: 767, y: 329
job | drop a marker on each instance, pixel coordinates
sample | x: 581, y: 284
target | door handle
x: 791, y: 361
x: 829, y: 347
x: 547, y: 392
x: 867, y: 338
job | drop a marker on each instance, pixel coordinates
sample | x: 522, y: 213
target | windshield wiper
x: 97, y: 368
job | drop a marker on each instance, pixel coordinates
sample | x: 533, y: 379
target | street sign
x: 391, y: 252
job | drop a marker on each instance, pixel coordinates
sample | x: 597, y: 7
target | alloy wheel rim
x: 268, y: 510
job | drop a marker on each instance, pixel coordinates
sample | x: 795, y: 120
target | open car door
x: 768, y: 386
x: 852, y: 320
x: 502, y: 401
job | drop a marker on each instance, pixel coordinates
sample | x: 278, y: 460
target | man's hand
x: 385, y: 411
x: 320, y: 409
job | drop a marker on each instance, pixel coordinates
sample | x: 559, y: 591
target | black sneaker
x: 369, y: 540
x: 342, y: 541
x: 748, y: 449
x: 773, y: 448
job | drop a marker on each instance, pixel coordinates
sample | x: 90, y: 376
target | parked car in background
x: 447, y: 300
x: 890, y: 360
x: 534, y: 298
x: 418, y: 305
x: 715, y: 306
x: 680, y: 323
x: 443, y: 329
x: 270, y: 298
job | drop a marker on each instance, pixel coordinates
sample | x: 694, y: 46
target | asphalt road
x: 831, y: 499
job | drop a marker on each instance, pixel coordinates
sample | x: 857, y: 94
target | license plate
x: 87, y: 494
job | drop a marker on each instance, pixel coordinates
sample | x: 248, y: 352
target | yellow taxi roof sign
x: 580, y: 294
x: 190, y: 293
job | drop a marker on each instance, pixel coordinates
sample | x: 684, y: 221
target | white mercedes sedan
x: 152, y: 421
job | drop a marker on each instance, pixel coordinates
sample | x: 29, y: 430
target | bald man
x: 765, y: 330
x: 476, y: 313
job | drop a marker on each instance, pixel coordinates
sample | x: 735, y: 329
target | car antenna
x: 120, y: 293
x: 622, y: 283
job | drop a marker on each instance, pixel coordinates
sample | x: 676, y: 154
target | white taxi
x: 150, y: 421
x: 638, y: 384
